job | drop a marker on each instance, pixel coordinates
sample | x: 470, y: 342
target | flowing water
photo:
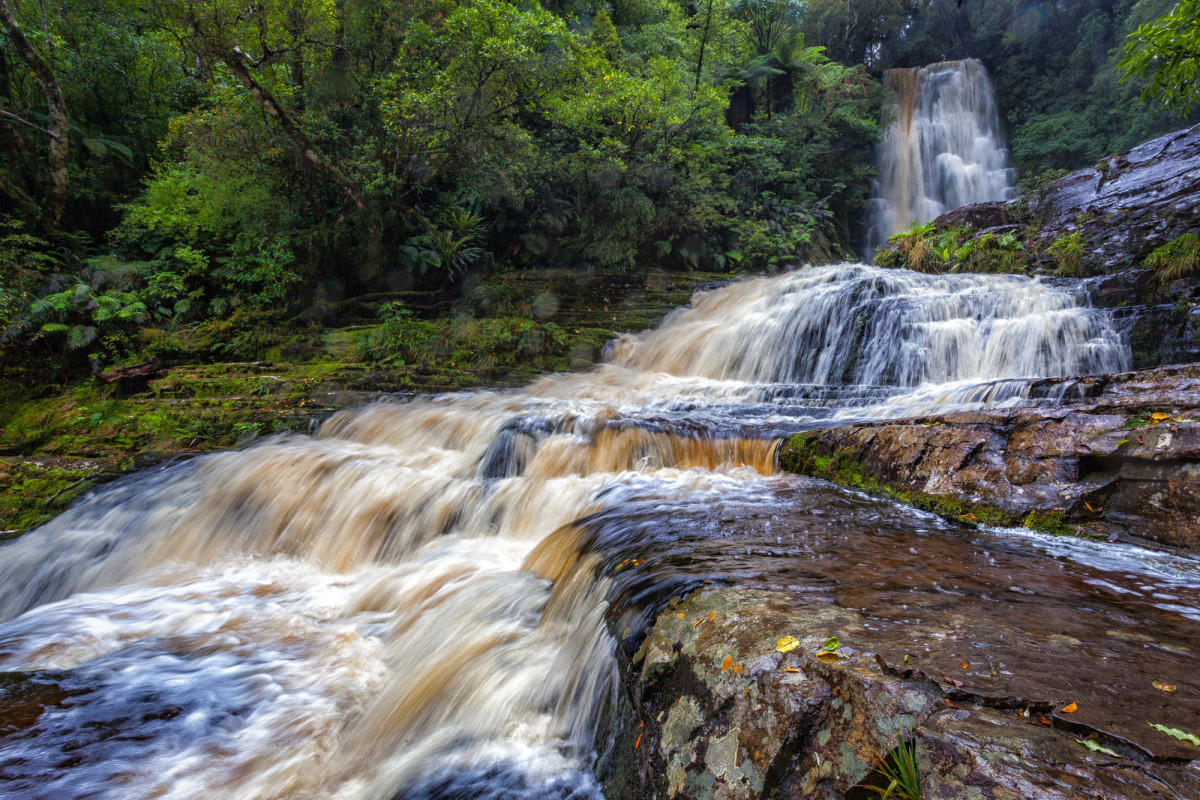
x: 412, y: 603
x: 943, y: 151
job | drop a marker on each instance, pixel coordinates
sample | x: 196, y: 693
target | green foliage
x: 1166, y: 53
x: 1178, y: 258
x: 1067, y: 252
x: 925, y: 248
x: 900, y: 770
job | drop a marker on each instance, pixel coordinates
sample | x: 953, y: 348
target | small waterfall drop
x: 409, y: 604
x: 943, y: 151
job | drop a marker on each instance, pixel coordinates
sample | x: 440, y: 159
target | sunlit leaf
x: 831, y: 645
x: 1069, y: 709
x: 1163, y: 686
x: 1096, y: 747
x: 787, y: 644
x: 1191, y: 738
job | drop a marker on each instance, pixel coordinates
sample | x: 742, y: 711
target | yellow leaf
x: 786, y: 644
x: 1163, y: 686
x: 1070, y: 709
x: 1159, y: 416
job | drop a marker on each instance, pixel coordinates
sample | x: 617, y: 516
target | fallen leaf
x: 786, y: 644
x: 737, y: 668
x: 696, y: 624
x: 964, y: 665
x: 1043, y: 720
x: 638, y: 743
x: 952, y: 682
x: 1097, y: 748
x: 641, y: 724
x: 791, y: 669
x: 906, y: 661
x: 1159, y: 416
x: 726, y: 664
x: 712, y: 615
x: 681, y: 615
x: 1178, y: 734
x: 947, y: 702
x: 1089, y: 506
x: 1163, y: 686
x: 1069, y: 709
x: 831, y: 645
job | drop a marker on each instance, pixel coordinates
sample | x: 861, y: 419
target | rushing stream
x: 412, y: 603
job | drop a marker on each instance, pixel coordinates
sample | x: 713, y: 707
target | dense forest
x: 177, y: 164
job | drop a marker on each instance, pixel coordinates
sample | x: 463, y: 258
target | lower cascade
x: 416, y: 602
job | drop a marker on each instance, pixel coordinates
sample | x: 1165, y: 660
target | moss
x: 1052, y: 522
x: 33, y: 492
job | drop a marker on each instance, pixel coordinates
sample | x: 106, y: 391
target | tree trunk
x: 56, y: 111
x: 237, y: 65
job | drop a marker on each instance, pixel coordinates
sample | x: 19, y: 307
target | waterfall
x: 943, y: 151
x: 407, y: 605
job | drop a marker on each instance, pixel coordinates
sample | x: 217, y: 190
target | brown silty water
x: 415, y: 603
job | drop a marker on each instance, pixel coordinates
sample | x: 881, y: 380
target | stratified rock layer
x: 1122, y: 458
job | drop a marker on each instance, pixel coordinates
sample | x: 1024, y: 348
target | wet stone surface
x: 1028, y: 624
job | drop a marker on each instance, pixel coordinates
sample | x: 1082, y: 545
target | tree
x: 1166, y: 53
x: 246, y: 36
x: 59, y: 150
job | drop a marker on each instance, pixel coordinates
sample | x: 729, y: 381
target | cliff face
x: 1127, y: 205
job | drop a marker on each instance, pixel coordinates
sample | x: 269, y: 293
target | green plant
x: 1178, y: 258
x: 913, y: 249
x: 899, y: 769
x: 1067, y: 252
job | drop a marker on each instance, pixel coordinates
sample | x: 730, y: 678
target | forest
x: 178, y: 178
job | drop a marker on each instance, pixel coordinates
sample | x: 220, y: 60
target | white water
x: 400, y: 606
x: 944, y: 150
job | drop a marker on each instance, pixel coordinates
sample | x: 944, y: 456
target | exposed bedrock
x: 1121, y: 458
x: 711, y: 709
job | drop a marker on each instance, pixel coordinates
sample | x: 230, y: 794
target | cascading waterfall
x: 401, y: 606
x: 943, y: 151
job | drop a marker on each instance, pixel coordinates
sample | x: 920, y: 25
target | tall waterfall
x: 403, y: 606
x: 944, y: 150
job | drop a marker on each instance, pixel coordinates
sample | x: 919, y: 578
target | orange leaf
x: 737, y: 668
x: 638, y: 742
x: 1071, y: 709
x: 681, y: 615
x: 1043, y: 720
x: 791, y: 669
x: 964, y: 665
x: 726, y: 664
x: 712, y: 615
x: 947, y: 702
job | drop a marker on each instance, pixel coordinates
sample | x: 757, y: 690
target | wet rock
x: 1121, y: 458
x: 1129, y: 204
x: 723, y: 714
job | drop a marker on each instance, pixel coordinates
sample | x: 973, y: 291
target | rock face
x: 1122, y: 459
x: 714, y: 710
x: 1129, y: 204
